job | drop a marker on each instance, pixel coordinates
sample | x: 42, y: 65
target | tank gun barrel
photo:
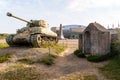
x: 10, y: 15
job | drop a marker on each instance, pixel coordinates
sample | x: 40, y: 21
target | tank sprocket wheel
x: 36, y: 40
x: 9, y: 40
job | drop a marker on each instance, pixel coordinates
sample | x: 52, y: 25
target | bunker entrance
x: 87, y: 42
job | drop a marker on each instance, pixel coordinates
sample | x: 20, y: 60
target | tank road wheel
x: 9, y: 40
x: 36, y: 40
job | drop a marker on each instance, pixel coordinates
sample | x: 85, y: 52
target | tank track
x: 9, y: 40
x: 36, y: 40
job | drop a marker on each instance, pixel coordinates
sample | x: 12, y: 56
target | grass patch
x: 112, y: 69
x: 79, y: 53
x: 3, y: 45
x: 3, y: 36
x: 4, y: 57
x: 59, y: 48
x: 46, y: 44
x: 28, y: 73
x: 16, y: 66
x: 90, y: 77
x: 99, y: 58
x: 27, y: 60
x: 47, y: 61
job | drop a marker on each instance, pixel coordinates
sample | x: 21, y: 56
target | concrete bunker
x: 95, y: 40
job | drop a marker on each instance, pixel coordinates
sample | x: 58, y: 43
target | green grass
x: 16, y: 66
x: 3, y: 45
x: 59, y: 48
x: 4, y: 57
x: 27, y: 60
x: 46, y: 44
x: 90, y: 77
x: 47, y: 61
x: 3, y: 36
x: 27, y: 73
x: 99, y: 58
x: 112, y: 70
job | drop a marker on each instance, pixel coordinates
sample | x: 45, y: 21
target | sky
x: 56, y: 12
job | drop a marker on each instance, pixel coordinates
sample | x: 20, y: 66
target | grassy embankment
x: 3, y: 36
x: 112, y: 69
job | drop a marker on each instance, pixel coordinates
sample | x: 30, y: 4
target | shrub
x: 79, y: 54
x: 99, y: 58
x: 4, y: 57
x: 47, y: 61
x: 115, y: 47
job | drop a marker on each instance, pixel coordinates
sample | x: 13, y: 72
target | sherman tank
x: 35, y: 32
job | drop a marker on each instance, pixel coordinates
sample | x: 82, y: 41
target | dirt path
x: 2, y: 41
x: 66, y: 64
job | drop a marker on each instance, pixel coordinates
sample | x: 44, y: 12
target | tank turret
x: 35, y: 32
x: 31, y: 23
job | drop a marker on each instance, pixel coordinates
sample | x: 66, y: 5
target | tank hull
x: 34, y: 40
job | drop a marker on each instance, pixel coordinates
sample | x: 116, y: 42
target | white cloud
x: 81, y: 5
x: 78, y: 5
x: 3, y: 5
x: 105, y: 3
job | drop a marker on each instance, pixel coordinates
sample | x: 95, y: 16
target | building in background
x: 70, y: 31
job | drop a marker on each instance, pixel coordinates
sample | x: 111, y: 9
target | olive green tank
x: 35, y: 32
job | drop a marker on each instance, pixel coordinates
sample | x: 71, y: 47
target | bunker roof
x: 98, y: 26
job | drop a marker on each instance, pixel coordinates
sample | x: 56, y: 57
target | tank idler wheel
x: 9, y: 40
x: 36, y: 40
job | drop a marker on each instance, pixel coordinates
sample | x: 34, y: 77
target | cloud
x: 78, y: 5
x: 3, y: 5
x: 82, y: 5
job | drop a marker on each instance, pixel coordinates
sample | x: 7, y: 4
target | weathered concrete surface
x: 95, y: 40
